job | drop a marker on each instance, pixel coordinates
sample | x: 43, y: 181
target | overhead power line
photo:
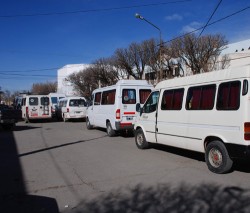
x: 219, y: 20
x: 210, y: 17
x: 93, y: 10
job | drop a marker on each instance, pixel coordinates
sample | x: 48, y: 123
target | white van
x: 113, y: 107
x: 36, y: 107
x: 207, y: 113
x: 72, y: 108
x: 54, y: 98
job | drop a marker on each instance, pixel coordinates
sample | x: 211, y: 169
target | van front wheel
x: 140, y: 139
x: 110, y: 130
x: 217, y: 158
x: 89, y: 126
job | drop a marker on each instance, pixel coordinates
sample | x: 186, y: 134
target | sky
x: 39, y: 37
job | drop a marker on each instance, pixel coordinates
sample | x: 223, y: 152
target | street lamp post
x: 137, y: 15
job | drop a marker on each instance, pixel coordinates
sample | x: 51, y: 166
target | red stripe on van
x: 129, y: 113
x: 125, y: 124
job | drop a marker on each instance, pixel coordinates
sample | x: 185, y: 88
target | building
x: 64, y: 86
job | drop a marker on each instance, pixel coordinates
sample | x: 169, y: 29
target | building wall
x: 64, y: 86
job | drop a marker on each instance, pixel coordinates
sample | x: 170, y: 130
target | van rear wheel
x: 110, y: 130
x: 140, y: 139
x: 217, y: 158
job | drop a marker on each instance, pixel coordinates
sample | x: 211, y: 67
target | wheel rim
x: 140, y: 139
x: 108, y: 129
x: 215, y: 157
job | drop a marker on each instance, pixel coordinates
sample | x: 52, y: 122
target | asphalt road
x: 63, y: 167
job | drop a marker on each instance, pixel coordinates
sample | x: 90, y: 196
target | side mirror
x: 138, y: 107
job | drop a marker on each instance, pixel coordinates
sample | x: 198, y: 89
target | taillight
x: 247, y: 131
x: 27, y: 110
x: 67, y: 109
x: 118, y: 114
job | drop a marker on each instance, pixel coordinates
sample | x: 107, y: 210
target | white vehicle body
x: 115, y: 106
x: 36, y: 107
x: 54, y: 98
x: 200, y: 113
x: 72, y: 108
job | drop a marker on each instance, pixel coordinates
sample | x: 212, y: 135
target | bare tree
x: 43, y: 88
x: 101, y: 73
x: 136, y: 57
x: 199, y: 53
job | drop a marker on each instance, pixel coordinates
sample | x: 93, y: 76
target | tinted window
x: 151, y: 103
x: 77, y: 102
x: 172, y: 99
x: 144, y: 93
x: 45, y: 101
x: 97, y: 99
x: 229, y: 96
x: 108, y: 97
x: 33, y: 101
x: 201, y: 97
x: 54, y: 100
x: 128, y: 96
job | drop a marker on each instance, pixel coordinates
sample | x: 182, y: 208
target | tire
x: 217, y: 158
x: 140, y: 139
x: 110, y: 130
x: 64, y: 119
x: 88, y: 124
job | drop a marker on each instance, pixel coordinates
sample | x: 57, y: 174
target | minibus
x: 71, y: 108
x: 113, y: 107
x: 207, y: 113
x: 36, y: 107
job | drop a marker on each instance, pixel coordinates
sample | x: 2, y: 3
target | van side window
x: 151, y: 103
x: 128, y: 96
x: 229, y: 96
x: 201, y: 97
x: 33, y: 101
x: 172, y: 99
x: 108, y: 97
x: 97, y: 99
x: 144, y: 93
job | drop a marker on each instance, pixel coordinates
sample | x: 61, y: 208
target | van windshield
x: 77, y: 102
x: 54, y: 100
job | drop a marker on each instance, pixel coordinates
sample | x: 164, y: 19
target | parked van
x: 113, y: 107
x: 207, y: 113
x: 36, y: 107
x: 54, y: 98
x: 72, y: 108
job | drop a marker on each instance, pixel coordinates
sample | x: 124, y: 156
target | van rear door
x: 33, y: 107
x: 44, y: 108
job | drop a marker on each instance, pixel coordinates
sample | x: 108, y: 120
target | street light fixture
x: 137, y: 15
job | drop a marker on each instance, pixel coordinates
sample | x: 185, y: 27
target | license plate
x: 129, y: 118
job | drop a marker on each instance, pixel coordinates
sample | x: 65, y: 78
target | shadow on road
x: 207, y: 198
x: 241, y: 165
x: 58, y: 146
x: 13, y: 196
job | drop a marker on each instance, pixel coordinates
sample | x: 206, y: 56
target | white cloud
x: 191, y: 27
x: 174, y: 17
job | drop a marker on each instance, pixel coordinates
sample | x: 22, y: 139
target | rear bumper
x: 123, y: 126
x: 238, y: 151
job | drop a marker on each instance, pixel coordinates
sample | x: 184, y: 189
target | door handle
x: 145, y: 116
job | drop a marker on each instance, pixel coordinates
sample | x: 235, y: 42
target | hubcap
x: 215, y: 157
x: 140, y: 139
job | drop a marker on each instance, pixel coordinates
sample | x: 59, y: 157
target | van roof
x: 126, y: 83
x: 210, y: 77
